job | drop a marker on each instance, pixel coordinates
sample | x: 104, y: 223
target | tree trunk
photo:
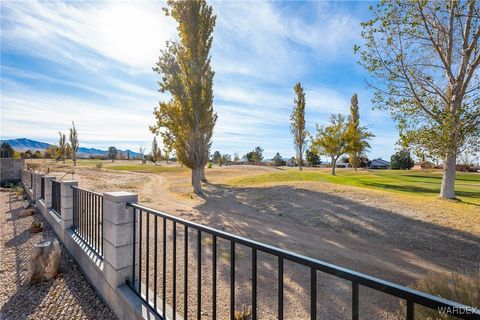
x: 202, y: 175
x: 300, y: 159
x: 334, y: 164
x: 447, y: 190
x: 197, y: 181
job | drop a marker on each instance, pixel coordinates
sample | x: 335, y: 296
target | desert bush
x: 34, y: 166
x: 209, y: 164
x: 244, y: 314
x: 99, y: 165
x: 464, y: 289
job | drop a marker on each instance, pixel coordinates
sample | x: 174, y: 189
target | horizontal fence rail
x: 147, y: 242
x: 88, y: 218
x: 56, y: 197
x: 42, y: 188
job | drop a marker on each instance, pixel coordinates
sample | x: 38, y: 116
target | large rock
x: 27, y: 213
x: 44, y: 261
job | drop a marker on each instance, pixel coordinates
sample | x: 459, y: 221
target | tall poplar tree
x: 62, y: 146
x: 297, y: 123
x: 426, y: 57
x: 357, y: 136
x: 155, y: 154
x: 187, y: 119
x: 74, y: 143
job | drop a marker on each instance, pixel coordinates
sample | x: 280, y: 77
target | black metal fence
x: 88, y: 218
x: 146, y: 287
x: 42, y: 188
x: 56, y: 197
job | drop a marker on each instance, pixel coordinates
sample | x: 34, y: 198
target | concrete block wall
x: 11, y: 170
x: 107, y: 275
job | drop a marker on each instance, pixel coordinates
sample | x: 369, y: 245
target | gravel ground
x: 69, y: 296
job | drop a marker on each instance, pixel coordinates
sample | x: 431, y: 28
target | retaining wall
x: 106, y: 274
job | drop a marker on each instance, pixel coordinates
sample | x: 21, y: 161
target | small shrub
x: 19, y: 191
x: 464, y: 289
x: 244, y: 314
x: 210, y: 164
x: 99, y: 166
x: 37, y: 224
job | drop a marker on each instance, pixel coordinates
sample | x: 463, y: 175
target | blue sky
x: 92, y: 63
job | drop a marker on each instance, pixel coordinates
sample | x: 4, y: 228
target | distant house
x: 423, y: 165
x: 291, y: 162
x: 343, y: 165
x: 379, y: 164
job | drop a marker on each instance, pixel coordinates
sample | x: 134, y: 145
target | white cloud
x: 128, y: 32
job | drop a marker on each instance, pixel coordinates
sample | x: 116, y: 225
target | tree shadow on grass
x: 416, y: 189
x: 337, y: 230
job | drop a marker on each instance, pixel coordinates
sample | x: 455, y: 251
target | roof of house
x: 379, y: 162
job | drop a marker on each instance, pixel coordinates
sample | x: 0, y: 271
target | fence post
x: 48, y: 191
x: 66, y: 203
x: 24, y: 177
x: 118, y: 239
x: 37, y: 185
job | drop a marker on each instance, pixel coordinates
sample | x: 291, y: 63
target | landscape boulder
x: 27, y: 212
x: 44, y: 261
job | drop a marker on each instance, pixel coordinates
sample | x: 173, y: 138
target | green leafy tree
x: 141, y: 152
x: 187, y: 119
x: 62, y: 146
x: 236, y: 157
x: 402, y: 160
x: 6, y: 150
x: 155, y: 154
x: 312, y: 157
x: 278, y: 160
x: 74, y: 143
x: 426, y: 56
x: 357, y: 136
x: 225, y: 159
x: 216, y: 156
x: 37, y: 155
x: 255, y: 156
x: 27, y: 154
x: 112, y: 153
x: 297, y: 123
x: 332, y: 140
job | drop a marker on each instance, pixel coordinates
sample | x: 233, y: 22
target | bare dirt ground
x: 68, y: 296
x: 366, y: 230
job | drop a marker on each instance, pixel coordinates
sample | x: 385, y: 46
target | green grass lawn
x: 467, y: 185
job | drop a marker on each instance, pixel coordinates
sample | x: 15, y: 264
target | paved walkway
x: 69, y: 296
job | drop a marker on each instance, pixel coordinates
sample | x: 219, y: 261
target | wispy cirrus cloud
x: 91, y: 62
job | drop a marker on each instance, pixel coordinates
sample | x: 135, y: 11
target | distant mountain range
x: 24, y: 144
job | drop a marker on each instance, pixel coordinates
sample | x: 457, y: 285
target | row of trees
x: 344, y: 135
x: 424, y: 56
x: 65, y: 149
